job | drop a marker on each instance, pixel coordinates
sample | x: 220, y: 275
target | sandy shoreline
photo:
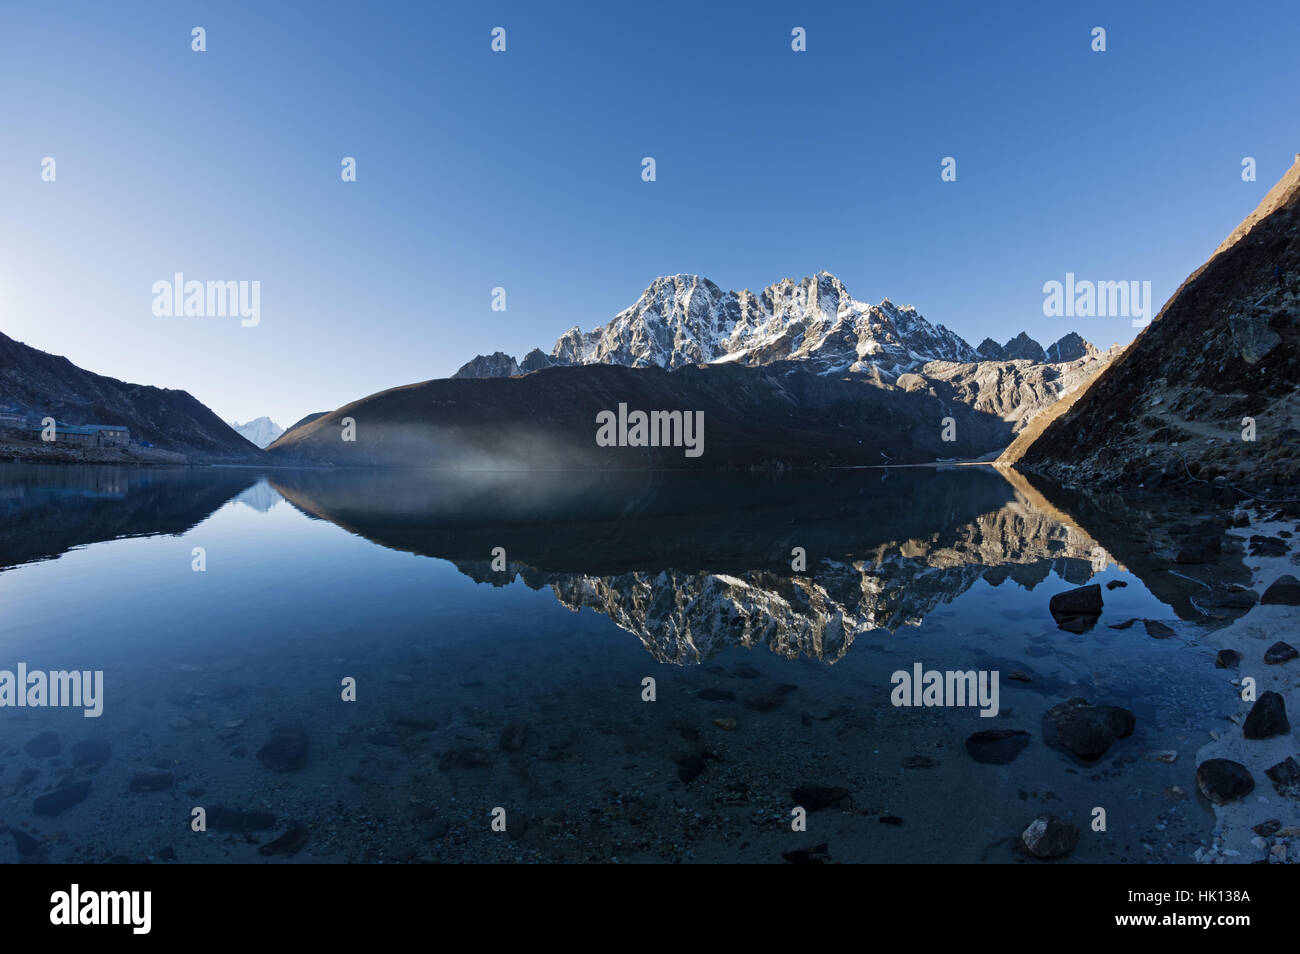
x: 1235, y: 840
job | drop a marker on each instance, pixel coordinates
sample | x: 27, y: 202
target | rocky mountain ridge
x: 687, y: 319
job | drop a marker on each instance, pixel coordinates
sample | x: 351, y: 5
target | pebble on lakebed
x: 1050, y: 837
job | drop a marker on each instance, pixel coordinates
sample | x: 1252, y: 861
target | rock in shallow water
x: 1087, y: 730
x: 1223, y: 780
x: 717, y: 695
x: 513, y: 737
x: 816, y: 797
x: 1267, y: 718
x: 43, y: 746
x: 996, y: 746
x: 90, y: 750
x: 1077, y: 609
x: 151, y: 781
x: 464, y: 759
x: 290, y: 843
x: 817, y: 855
x: 25, y: 843
x: 1050, y: 837
x: 60, y: 800
x: 237, y: 820
x: 767, y: 702
x: 689, y: 768
x: 287, y: 750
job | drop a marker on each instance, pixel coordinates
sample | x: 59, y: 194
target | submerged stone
x: 43, y: 746
x: 151, y: 781
x: 997, y: 746
x: 1081, y: 603
x: 286, y: 751
x: 1087, y: 730
x: 1050, y: 837
x: 60, y: 800
x: 814, y: 798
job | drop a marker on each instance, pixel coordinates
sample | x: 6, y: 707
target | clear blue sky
x: 523, y: 169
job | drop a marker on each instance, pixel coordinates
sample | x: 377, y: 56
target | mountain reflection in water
x: 694, y: 564
x: 772, y: 673
x: 690, y: 563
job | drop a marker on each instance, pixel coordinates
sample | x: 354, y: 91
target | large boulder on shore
x: 1284, y: 591
x: 1223, y: 780
x: 1267, y: 718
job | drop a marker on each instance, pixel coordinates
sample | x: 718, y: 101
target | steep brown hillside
x: 1173, y: 408
x: 42, y: 384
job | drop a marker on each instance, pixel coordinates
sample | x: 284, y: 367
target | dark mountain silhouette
x: 777, y: 414
x: 46, y: 385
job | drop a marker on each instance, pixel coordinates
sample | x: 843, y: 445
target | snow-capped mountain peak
x: 261, y: 431
x: 687, y: 319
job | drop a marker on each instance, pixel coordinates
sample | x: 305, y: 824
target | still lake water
x: 521, y: 689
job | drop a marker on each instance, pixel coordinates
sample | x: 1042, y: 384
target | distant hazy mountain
x: 261, y: 431
x: 44, y: 385
x: 1070, y: 347
x: 686, y: 319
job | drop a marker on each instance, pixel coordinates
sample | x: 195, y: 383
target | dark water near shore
x: 521, y: 688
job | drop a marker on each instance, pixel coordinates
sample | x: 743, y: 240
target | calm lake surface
x: 481, y: 688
